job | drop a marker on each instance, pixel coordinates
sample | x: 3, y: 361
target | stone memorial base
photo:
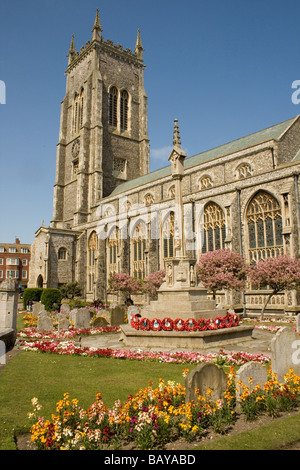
x: 184, y: 339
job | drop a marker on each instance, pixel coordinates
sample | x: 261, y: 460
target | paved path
x: 259, y: 344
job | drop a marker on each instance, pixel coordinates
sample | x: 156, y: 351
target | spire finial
x: 97, y: 30
x: 72, y: 50
x: 138, y: 46
x: 176, y: 135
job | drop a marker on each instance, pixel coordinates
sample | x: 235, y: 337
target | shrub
x: 51, y: 298
x: 32, y: 293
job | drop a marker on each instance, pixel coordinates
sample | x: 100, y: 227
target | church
x: 111, y: 214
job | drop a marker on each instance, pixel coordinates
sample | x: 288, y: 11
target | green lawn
x: 48, y: 377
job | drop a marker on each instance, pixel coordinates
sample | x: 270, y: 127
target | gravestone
x: 205, y: 376
x: 44, y: 321
x: 82, y: 318
x: 285, y: 352
x: 258, y: 372
x: 132, y: 310
x: 100, y: 322
x: 8, y: 313
x: 63, y: 322
x: 116, y: 316
x: 65, y: 308
x: 37, y: 308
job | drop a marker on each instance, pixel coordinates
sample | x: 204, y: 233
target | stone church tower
x: 103, y: 138
x: 103, y: 141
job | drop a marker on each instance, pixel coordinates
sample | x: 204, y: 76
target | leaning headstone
x: 82, y: 318
x: 100, y: 322
x: 44, y: 322
x: 285, y: 352
x: 63, y: 322
x: 205, y: 376
x: 257, y: 372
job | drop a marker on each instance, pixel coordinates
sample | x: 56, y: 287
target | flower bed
x: 167, y: 324
x: 71, y: 333
x: 178, y: 357
x: 156, y: 416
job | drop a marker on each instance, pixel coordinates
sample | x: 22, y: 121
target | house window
x: 1, y: 274
x: 24, y: 250
x: 1, y: 261
x: 24, y: 274
x: 14, y: 274
x: 12, y: 261
x: 214, y: 228
x: 12, y: 250
x: 264, y: 223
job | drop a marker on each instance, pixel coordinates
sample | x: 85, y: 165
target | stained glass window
x: 214, y: 228
x: 264, y: 222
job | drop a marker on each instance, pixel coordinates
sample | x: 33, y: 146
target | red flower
x: 179, y: 324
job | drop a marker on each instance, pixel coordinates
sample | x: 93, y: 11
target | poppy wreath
x: 191, y: 324
x: 202, y: 324
x: 219, y: 322
x: 179, y: 324
x: 167, y: 324
x: 211, y: 324
x: 135, y: 322
x: 155, y: 324
x: 144, y: 324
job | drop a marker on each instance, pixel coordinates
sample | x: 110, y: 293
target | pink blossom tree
x: 154, y: 281
x: 222, y: 269
x: 124, y: 283
x: 279, y: 274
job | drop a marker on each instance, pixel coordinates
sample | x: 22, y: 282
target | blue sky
x: 224, y: 69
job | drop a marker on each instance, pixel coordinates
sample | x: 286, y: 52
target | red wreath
x: 179, y: 328
x: 191, y: 328
x: 164, y: 326
x: 227, y: 321
x: 155, y: 328
x: 219, y: 322
x: 211, y: 324
x: 135, y: 322
x: 144, y: 324
x: 202, y: 324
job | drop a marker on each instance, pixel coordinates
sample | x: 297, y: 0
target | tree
x: 222, y: 269
x: 71, y: 290
x: 122, y: 282
x: 279, y: 274
x: 154, y: 281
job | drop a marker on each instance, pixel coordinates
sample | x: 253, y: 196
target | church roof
x: 270, y: 133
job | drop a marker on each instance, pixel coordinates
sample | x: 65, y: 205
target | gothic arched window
x: 113, y: 107
x: 214, y: 228
x: 264, y: 223
x: 124, y: 110
x: 62, y: 253
x: 168, y: 232
x: 112, y: 251
x: 138, y: 242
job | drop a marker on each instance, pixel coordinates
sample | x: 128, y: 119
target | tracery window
x: 62, y: 253
x: 113, y: 107
x: 168, y: 232
x: 244, y: 170
x: 78, y: 111
x: 92, y: 255
x: 149, y: 199
x: 264, y: 223
x: 112, y: 251
x: 124, y: 110
x: 214, y: 228
x: 138, y: 242
x: 205, y: 182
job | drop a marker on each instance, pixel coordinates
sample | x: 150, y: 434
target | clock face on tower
x: 75, y: 148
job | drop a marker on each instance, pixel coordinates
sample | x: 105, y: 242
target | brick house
x: 14, y: 262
